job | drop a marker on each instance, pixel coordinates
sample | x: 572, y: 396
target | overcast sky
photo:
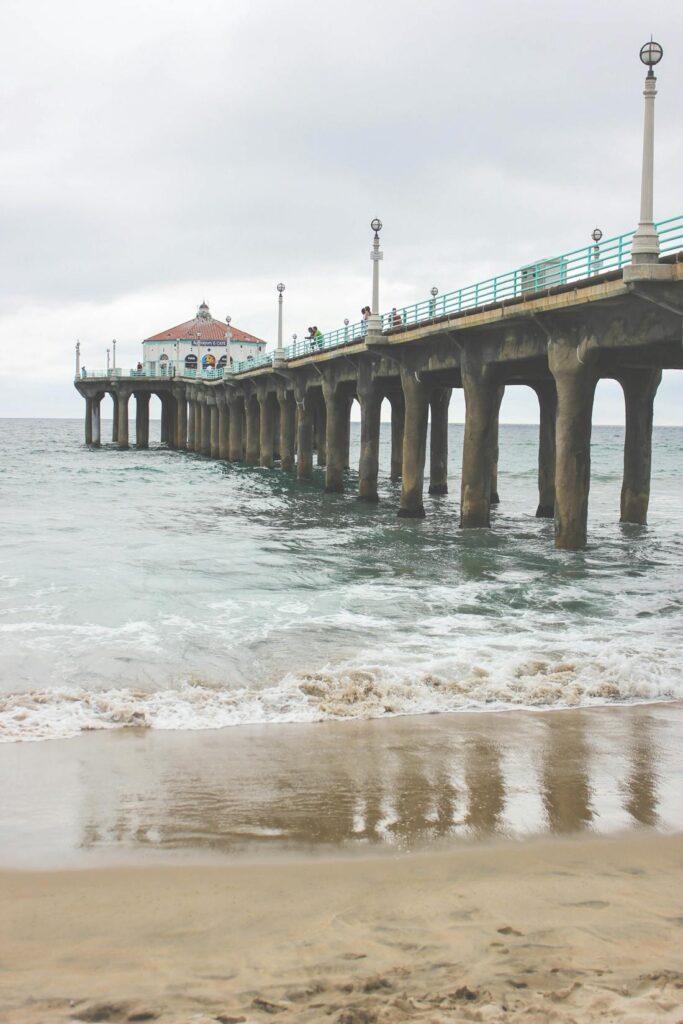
x: 157, y: 154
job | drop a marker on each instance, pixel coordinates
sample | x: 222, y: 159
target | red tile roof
x: 203, y: 328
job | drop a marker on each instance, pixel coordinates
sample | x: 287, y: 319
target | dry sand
x: 585, y: 929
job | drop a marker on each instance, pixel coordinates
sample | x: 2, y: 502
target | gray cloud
x: 152, y: 153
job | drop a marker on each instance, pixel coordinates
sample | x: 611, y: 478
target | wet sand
x: 134, y: 796
x: 446, y: 868
x: 566, y: 930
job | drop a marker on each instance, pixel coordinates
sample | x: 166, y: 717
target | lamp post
x: 375, y: 321
x: 279, y: 352
x: 645, y: 248
x: 107, y: 362
x: 113, y: 356
x: 78, y: 358
x: 346, y: 329
x: 596, y: 266
x: 434, y: 291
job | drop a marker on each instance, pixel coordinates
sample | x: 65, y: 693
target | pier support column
x: 181, y: 421
x: 287, y: 428
x: 398, y: 416
x: 223, y: 429
x: 236, y: 448
x: 266, y: 430
x: 253, y: 418
x: 191, y: 409
x: 573, y: 368
x: 495, y: 428
x: 276, y: 427
x: 320, y: 431
x: 88, y: 420
x: 416, y: 398
x: 97, y: 420
x: 640, y: 387
x: 213, y: 419
x: 346, y: 413
x: 482, y: 401
x: 205, y: 435
x: 335, y: 437
x: 547, y: 400
x: 438, y: 441
x: 304, y: 432
x: 370, y: 400
x: 122, y: 418
x: 142, y: 419
x: 198, y: 425
x: 165, y: 419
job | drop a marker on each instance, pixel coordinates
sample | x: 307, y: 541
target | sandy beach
x: 547, y: 930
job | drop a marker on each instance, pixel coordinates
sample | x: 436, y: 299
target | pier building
x: 200, y: 343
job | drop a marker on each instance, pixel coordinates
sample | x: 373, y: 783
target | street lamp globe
x: 376, y: 225
x: 650, y: 54
x: 280, y: 288
x: 596, y: 235
x: 294, y: 338
x: 346, y: 321
x: 434, y: 291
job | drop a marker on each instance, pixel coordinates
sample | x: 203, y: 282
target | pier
x: 558, y: 327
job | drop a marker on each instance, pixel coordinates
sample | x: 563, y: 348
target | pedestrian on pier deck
x: 311, y: 337
x: 84, y: 372
x: 365, y: 314
x: 318, y: 336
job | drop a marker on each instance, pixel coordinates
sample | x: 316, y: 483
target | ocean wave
x: 337, y: 693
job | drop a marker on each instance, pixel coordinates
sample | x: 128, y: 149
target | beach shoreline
x: 552, y: 929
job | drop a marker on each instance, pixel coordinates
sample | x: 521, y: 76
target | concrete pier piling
x: 253, y: 424
x: 438, y: 440
x: 547, y: 401
x: 236, y: 443
x: 573, y: 366
x: 639, y: 385
x: 223, y: 429
x: 398, y: 415
x: 89, y: 402
x: 213, y: 420
x: 287, y: 406
x: 266, y: 429
x: 205, y: 436
x: 142, y: 419
x: 370, y: 400
x: 304, y: 439
x: 416, y: 397
x: 122, y: 418
x: 483, y: 394
x: 335, y: 436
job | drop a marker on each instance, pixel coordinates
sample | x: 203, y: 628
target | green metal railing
x: 578, y: 265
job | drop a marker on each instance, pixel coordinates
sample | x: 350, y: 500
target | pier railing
x: 577, y: 265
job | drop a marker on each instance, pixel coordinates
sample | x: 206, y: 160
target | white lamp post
x: 645, y: 247
x: 113, y: 354
x: 434, y: 291
x: 596, y: 266
x: 375, y: 321
x: 107, y: 362
x: 78, y: 358
x: 279, y: 352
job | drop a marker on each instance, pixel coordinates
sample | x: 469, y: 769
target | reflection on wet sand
x: 565, y: 776
x: 399, y: 783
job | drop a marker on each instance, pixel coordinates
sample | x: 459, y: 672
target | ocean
x: 164, y: 591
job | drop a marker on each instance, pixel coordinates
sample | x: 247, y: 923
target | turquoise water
x: 162, y: 589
